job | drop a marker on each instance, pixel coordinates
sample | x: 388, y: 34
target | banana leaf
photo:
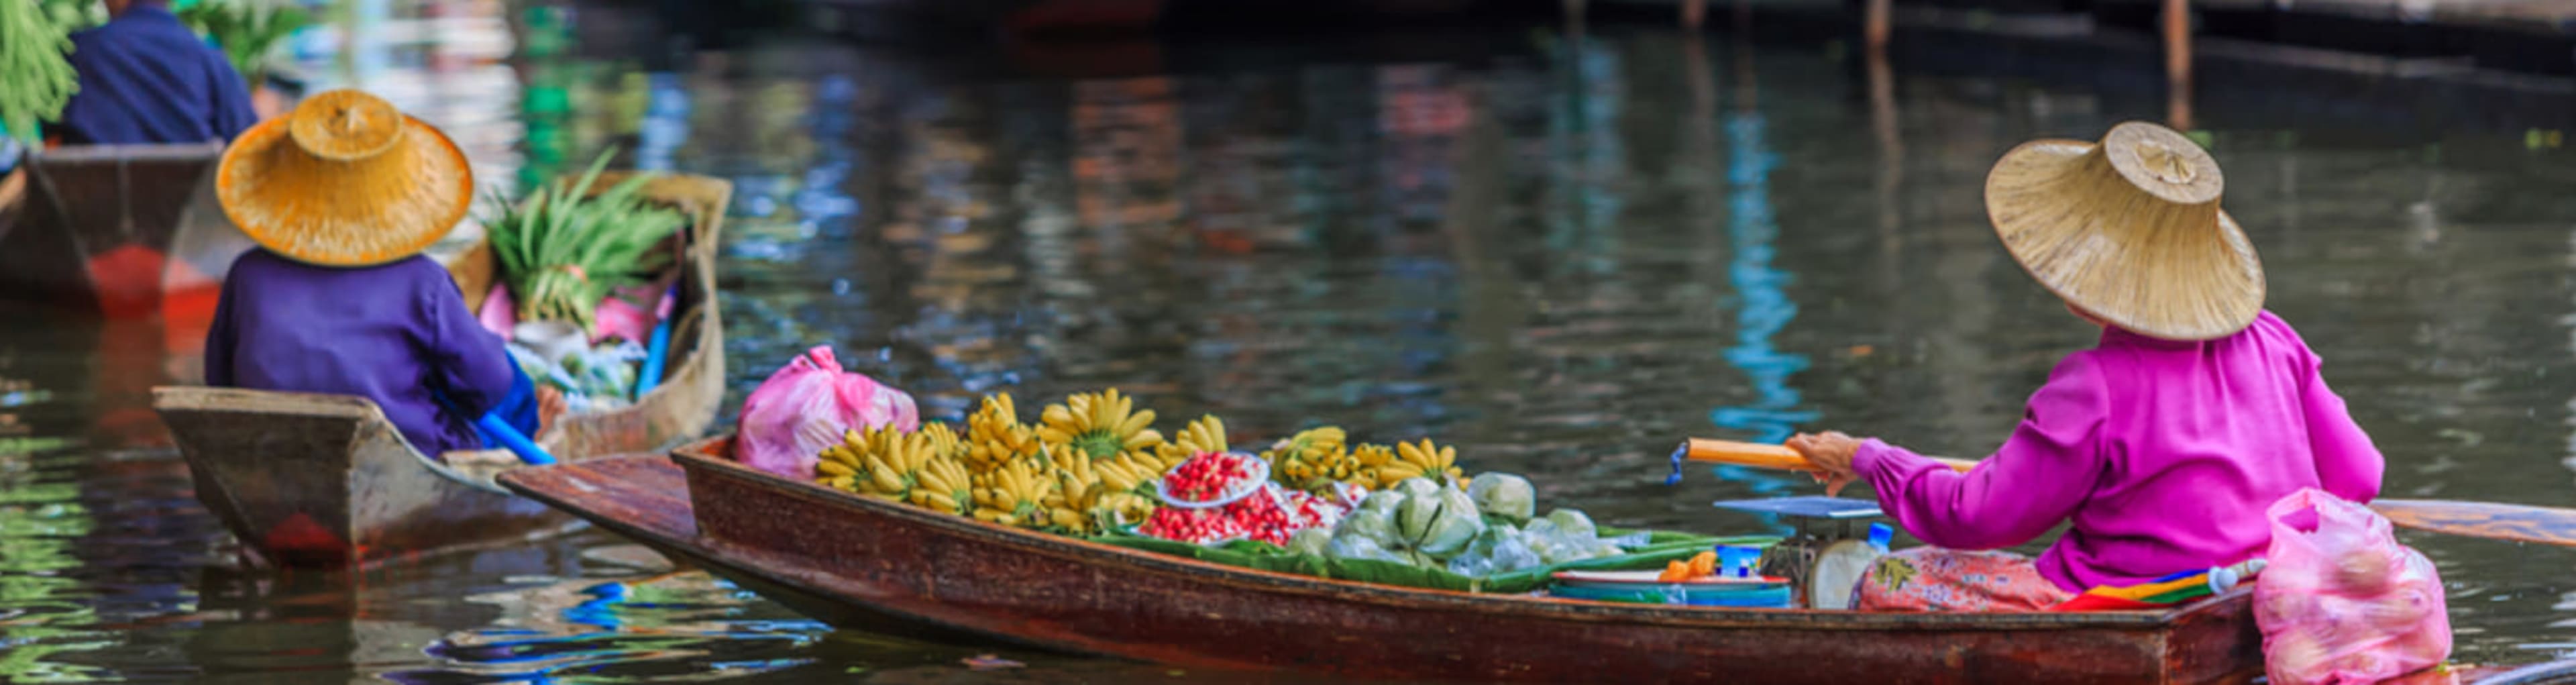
x: 1661, y: 547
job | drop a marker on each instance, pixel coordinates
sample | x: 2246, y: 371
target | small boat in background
x: 125, y: 231
x: 326, y: 481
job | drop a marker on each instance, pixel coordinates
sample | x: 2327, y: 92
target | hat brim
x: 344, y: 213
x: 2160, y: 269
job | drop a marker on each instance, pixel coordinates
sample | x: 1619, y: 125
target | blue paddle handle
x: 655, y: 352
x: 509, y: 436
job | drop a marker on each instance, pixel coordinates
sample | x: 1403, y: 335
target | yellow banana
x: 834, y: 468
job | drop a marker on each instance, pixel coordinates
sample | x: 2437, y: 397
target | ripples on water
x: 1561, y: 253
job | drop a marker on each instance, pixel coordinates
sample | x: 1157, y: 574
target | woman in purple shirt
x: 342, y: 195
x: 2162, y: 445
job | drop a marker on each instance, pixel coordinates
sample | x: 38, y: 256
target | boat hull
x: 310, y: 480
x: 887, y: 567
x: 121, y: 231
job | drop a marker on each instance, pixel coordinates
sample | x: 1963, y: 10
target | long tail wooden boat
x: 887, y: 567
x: 118, y: 230
x: 325, y: 480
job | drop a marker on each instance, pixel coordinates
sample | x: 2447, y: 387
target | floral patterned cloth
x: 1936, y: 579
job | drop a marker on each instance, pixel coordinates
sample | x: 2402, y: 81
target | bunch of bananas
x: 919, y: 467
x: 35, y: 79
x: 1102, y: 424
x: 1312, y: 458
x: 995, y: 436
x: 1204, y: 435
x: 1017, y: 496
x: 1089, y: 463
x: 1420, y: 459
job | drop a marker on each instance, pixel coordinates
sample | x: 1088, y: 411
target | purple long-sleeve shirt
x: 2165, y: 455
x: 390, y: 333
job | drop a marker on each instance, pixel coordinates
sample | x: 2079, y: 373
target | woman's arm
x: 219, y: 336
x: 2041, y: 474
x: 2348, y: 465
x: 471, y: 365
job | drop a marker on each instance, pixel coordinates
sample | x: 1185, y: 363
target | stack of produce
x: 1319, y: 458
x: 562, y: 253
x: 1481, y: 530
x: 1093, y: 465
x: 563, y: 249
x: 1087, y: 466
x: 1220, y: 497
x: 35, y: 78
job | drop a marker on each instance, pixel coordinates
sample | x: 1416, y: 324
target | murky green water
x: 1561, y: 253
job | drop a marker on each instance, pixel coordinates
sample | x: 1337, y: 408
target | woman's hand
x: 1831, y: 452
x: 550, y: 406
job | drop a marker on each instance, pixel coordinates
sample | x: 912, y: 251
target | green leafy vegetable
x: 247, y: 30
x: 563, y: 248
x: 35, y: 80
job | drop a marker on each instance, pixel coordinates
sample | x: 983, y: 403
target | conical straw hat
x: 2129, y: 229
x: 344, y: 180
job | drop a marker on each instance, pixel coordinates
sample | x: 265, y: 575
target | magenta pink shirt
x: 2163, y: 454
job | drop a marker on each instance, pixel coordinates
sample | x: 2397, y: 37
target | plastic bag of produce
x: 1417, y: 487
x: 1312, y: 541
x: 1383, y: 502
x: 1574, y: 522
x: 1368, y: 523
x: 806, y: 406
x: 1504, y: 495
x: 2342, y: 602
x: 1567, y: 535
x: 1457, y: 523
x: 1497, y: 550
x: 1361, y: 547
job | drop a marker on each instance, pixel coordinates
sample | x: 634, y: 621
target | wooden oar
x: 2509, y: 522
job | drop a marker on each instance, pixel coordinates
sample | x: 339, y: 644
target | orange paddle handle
x: 1770, y: 456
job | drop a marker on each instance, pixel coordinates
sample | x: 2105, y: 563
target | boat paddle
x: 2493, y: 521
x: 517, y: 443
x: 659, y: 351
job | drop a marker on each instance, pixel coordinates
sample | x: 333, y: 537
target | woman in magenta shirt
x: 2162, y: 445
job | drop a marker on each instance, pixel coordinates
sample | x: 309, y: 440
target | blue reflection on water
x: 1764, y: 307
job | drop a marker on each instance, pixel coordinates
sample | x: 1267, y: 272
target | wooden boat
x: 325, y: 480
x: 879, y: 566
x: 118, y: 230
x: 887, y: 567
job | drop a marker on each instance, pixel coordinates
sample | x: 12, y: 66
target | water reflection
x: 1762, y: 305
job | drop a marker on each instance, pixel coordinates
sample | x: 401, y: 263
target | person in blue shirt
x: 342, y: 195
x: 146, y: 78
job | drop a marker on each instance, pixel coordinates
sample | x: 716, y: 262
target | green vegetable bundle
x: 247, y: 30
x: 35, y: 80
x: 563, y: 249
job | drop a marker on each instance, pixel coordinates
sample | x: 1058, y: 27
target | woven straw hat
x: 344, y: 180
x: 2129, y: 229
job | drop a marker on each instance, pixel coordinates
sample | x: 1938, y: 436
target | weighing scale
x: 1820, y: 521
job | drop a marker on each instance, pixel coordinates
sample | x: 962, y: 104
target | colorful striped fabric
x: 2162, y: 592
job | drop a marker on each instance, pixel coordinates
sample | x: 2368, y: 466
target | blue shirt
x: 394, y: 333
x: 145, y: 78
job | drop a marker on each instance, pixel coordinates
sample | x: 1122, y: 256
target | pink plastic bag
x: 499, y: 313
x: 2342, y: 602
x: 806, y: 406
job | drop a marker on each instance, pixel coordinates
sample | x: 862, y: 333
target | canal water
x: 1560, y: 251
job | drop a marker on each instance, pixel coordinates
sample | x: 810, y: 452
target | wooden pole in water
x: 1694, y: 12
x: 2178, y: 63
